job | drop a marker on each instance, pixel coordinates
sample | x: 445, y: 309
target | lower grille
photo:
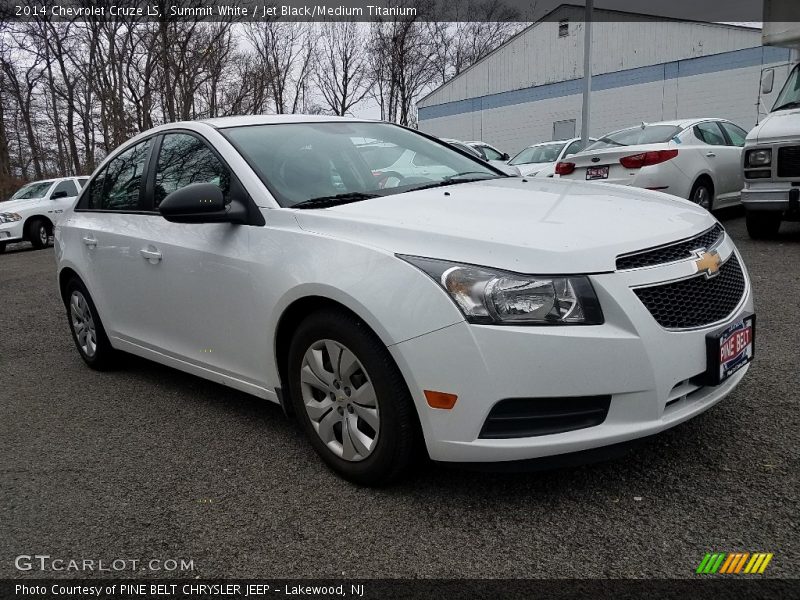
x: 697, y: 301
x: 529, y: 417
x: 789, y: 161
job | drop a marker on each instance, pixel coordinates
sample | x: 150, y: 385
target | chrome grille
x: 672, y: 252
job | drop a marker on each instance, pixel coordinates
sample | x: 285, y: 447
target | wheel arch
x: 64, y: 275
x: 48, y: 221
x: 705, y: 176
x: 287, y: 323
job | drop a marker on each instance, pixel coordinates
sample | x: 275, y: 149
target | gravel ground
x: 148, y: 462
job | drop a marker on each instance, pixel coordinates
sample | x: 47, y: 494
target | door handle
x: 710, y: 154
x: 90, y: 242
x: 152, y: 255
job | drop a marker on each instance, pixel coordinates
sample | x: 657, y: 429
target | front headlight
x: 487, y: 296
x: 758, y: 158
x: 9, y: 217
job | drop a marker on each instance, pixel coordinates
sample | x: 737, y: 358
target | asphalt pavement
x: 149, y: 463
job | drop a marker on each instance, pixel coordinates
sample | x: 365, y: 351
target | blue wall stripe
x: 737, y: 59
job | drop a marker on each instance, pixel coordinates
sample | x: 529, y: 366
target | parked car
x: 487, y: 151
x: 470, y: 149
x: 539, y: 160
x: 425, y: 313
x: 771, y: 162
x: 696, y: 159
x: 31, y: 213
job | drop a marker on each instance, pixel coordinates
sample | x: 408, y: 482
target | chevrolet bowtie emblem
x: 708, y: 262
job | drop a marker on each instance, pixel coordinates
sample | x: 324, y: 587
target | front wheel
x: 763, y: 225
x: 38, y: 233
x: 351, y: 399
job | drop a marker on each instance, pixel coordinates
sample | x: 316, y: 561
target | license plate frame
x: 730, y: 349
x: 593, y: 173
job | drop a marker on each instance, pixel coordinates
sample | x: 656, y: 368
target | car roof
x: 674, y: 122
x: 58, y: 179
x: 222, y: 122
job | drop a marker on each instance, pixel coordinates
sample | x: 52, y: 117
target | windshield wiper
x: 338, y: 199
x: 792, y: 104
x: 457, y: 178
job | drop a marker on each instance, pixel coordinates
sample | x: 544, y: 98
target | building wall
x: 538, y: 56
x: 723, y: 85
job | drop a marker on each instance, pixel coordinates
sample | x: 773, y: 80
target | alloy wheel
x: 340, y: 400
x: 83, y: 324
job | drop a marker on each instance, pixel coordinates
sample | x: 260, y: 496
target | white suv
x: 34, y: 209
x: 482, y: 317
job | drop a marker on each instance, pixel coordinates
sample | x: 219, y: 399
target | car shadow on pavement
x: 644, y: 465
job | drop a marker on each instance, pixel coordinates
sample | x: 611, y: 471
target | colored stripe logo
x: 734, y: 563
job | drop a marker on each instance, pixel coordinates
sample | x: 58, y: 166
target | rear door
x: 106, y: 226
x: 723, y: 160
x: 735, y: 137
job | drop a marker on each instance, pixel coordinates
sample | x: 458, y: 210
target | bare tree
x: 287, y: 50
x: 341, y: 72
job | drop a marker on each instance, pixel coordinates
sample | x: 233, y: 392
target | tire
x: 702, y: 194
x: 38, y: 233
x: 2, y: 247
x: 763, y: 225
x: 87, y: 329
x: 384, y: 429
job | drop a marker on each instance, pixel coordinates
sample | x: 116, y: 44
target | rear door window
x: 118, y: 185
x: 710, y: 133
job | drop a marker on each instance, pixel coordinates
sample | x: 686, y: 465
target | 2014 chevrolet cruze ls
x: 485, y: 318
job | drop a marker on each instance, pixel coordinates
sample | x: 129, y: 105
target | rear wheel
x: 702, y: 194
x: 763, y: 225
x: 38, y: 233
x: 87, y: 329
x: 351, y: 399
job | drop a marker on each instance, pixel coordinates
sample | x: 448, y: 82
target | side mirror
x: 59, y: 194
x: 767, y: 81
x: 201, y: 203
x: 505, y: 156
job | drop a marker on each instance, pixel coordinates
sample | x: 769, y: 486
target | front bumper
x: 11, y: 232
x: 643, y: 367
x: 769, y: 196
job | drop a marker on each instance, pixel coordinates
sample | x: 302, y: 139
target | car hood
x: 545, y: 226
x: 776, y: 127
x: 16, y: 205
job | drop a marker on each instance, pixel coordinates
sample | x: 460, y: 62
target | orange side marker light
x: 440, y: 399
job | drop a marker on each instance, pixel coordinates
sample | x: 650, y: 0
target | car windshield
x: 543, y: 153
x: 37, y: 189
x: 790, y: 94
x: 634, y: 136
x: 349, y: 161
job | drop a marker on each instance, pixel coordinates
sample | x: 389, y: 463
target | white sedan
x: 539, y: 160
x: 472, y: 316
x: 696, y: 159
